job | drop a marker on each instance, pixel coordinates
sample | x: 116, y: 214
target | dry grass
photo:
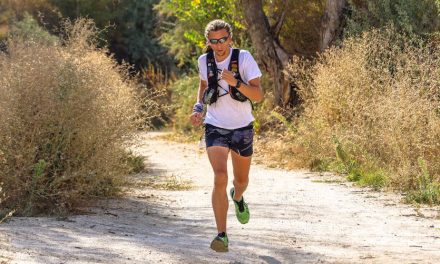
x: 372, y: 110
x: 165, y: 182
x: 155, y: 97
x: 65, y: 112
x: 172, y: 183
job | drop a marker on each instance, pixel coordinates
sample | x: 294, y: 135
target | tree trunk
x: 273, y: 56
x: 268, y: 50
x: 331, y: 22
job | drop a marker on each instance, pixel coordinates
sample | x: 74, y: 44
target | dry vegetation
x: 66, y: 110
x: 372, y: 110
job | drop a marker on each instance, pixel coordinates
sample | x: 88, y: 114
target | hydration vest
x: 211, y: 93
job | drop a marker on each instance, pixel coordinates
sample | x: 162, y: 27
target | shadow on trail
x: 270, y: 260
x: 136, y: 230
x: 151, y: 226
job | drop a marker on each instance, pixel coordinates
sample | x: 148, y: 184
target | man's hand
x: 229, y: 77
x: 196, y: 119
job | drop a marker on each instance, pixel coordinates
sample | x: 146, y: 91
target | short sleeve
x: 201, y: 65
x: 249, y: 69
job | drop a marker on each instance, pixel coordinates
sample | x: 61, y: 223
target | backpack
x: 211, y: 93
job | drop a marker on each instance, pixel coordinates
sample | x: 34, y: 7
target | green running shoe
x: 220, y: 244
x: 243, y: 217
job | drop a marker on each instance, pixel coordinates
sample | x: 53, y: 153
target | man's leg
x: 218, y: 156
x: 241, y: 174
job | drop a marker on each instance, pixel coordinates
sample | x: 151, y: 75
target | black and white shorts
x: 239, y: 140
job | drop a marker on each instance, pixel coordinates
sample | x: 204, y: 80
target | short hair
x: 216, y: 25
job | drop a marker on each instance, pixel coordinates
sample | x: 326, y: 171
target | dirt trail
x: 295, y: 218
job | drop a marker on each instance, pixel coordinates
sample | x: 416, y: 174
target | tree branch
x: 276, y: 28
x: 268, y: 49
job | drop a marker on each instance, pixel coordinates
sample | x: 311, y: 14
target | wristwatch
x: 238, y: 84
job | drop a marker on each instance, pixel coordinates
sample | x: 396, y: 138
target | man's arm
x: 252, y: 90
x: 196, y: 117
x: 202, y: 86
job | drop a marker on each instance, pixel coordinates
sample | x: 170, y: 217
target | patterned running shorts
x: 239, y: 140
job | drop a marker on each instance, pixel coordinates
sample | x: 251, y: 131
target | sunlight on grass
x: 169, y: 183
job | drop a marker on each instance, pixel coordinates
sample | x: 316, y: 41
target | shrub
x: 155, y: 97
x: 44, y: 10
x: 28, y: 29
x: 65, y: 112
x: 379, y: 96
x: 184, y: 95
x: 419, y: 17
x: 428, y: 191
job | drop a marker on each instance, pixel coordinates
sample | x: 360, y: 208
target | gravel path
x: 296, y: 217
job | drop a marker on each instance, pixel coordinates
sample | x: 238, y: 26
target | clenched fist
x: 196, y: 119
x: 229, y: 77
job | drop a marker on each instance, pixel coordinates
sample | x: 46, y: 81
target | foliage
x: 364, y: 174
x: 41, y: 10
x: 183, y: 24
x: 430, y: 194
x: 135, y: 163
x: 171, y: 183
x: 29, y: 29
x: 428, y: 191
x: 130, y: 28
x: 137, y: 27
x: 103, y: 12
x: 183, y: 98
x: 66, y: 112
x: 378, y: 95
x: 300, y: 33
x: 413, y: 17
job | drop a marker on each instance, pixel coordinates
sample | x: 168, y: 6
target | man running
x: 229, y: 81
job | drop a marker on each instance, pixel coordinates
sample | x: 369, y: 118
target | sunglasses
x: 220, y: 40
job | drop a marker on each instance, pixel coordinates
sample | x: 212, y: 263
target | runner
x: 229, y: 80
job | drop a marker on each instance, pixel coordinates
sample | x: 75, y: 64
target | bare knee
x: 241, y: 181
x: 221, y: 179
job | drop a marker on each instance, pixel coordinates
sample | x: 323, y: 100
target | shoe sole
x: 218, y: 246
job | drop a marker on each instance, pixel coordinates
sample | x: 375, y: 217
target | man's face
x: 219, y: 42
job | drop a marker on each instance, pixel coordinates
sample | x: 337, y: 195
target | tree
x: 331, y: 22
x: 43, y: 11
x: 135, y: 36
x: 269, y: 50
x: 412, y: 17
x: 183, y: 24
x: 130, y: 28
x: 101, y: 11
x: 28, y: 29
x: 277, y: 29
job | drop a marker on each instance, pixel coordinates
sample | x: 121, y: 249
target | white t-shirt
x: 226, y: 112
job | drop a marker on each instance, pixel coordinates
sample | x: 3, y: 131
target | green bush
x: 66, y: 111
x: 413, y: 17
x: 135, y: 163
x: 184, y: 96
x: 428, y: 191
x: 132, y: 36
x: 183, y: 24
x: 42, y: 10
x: 28, y: 29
